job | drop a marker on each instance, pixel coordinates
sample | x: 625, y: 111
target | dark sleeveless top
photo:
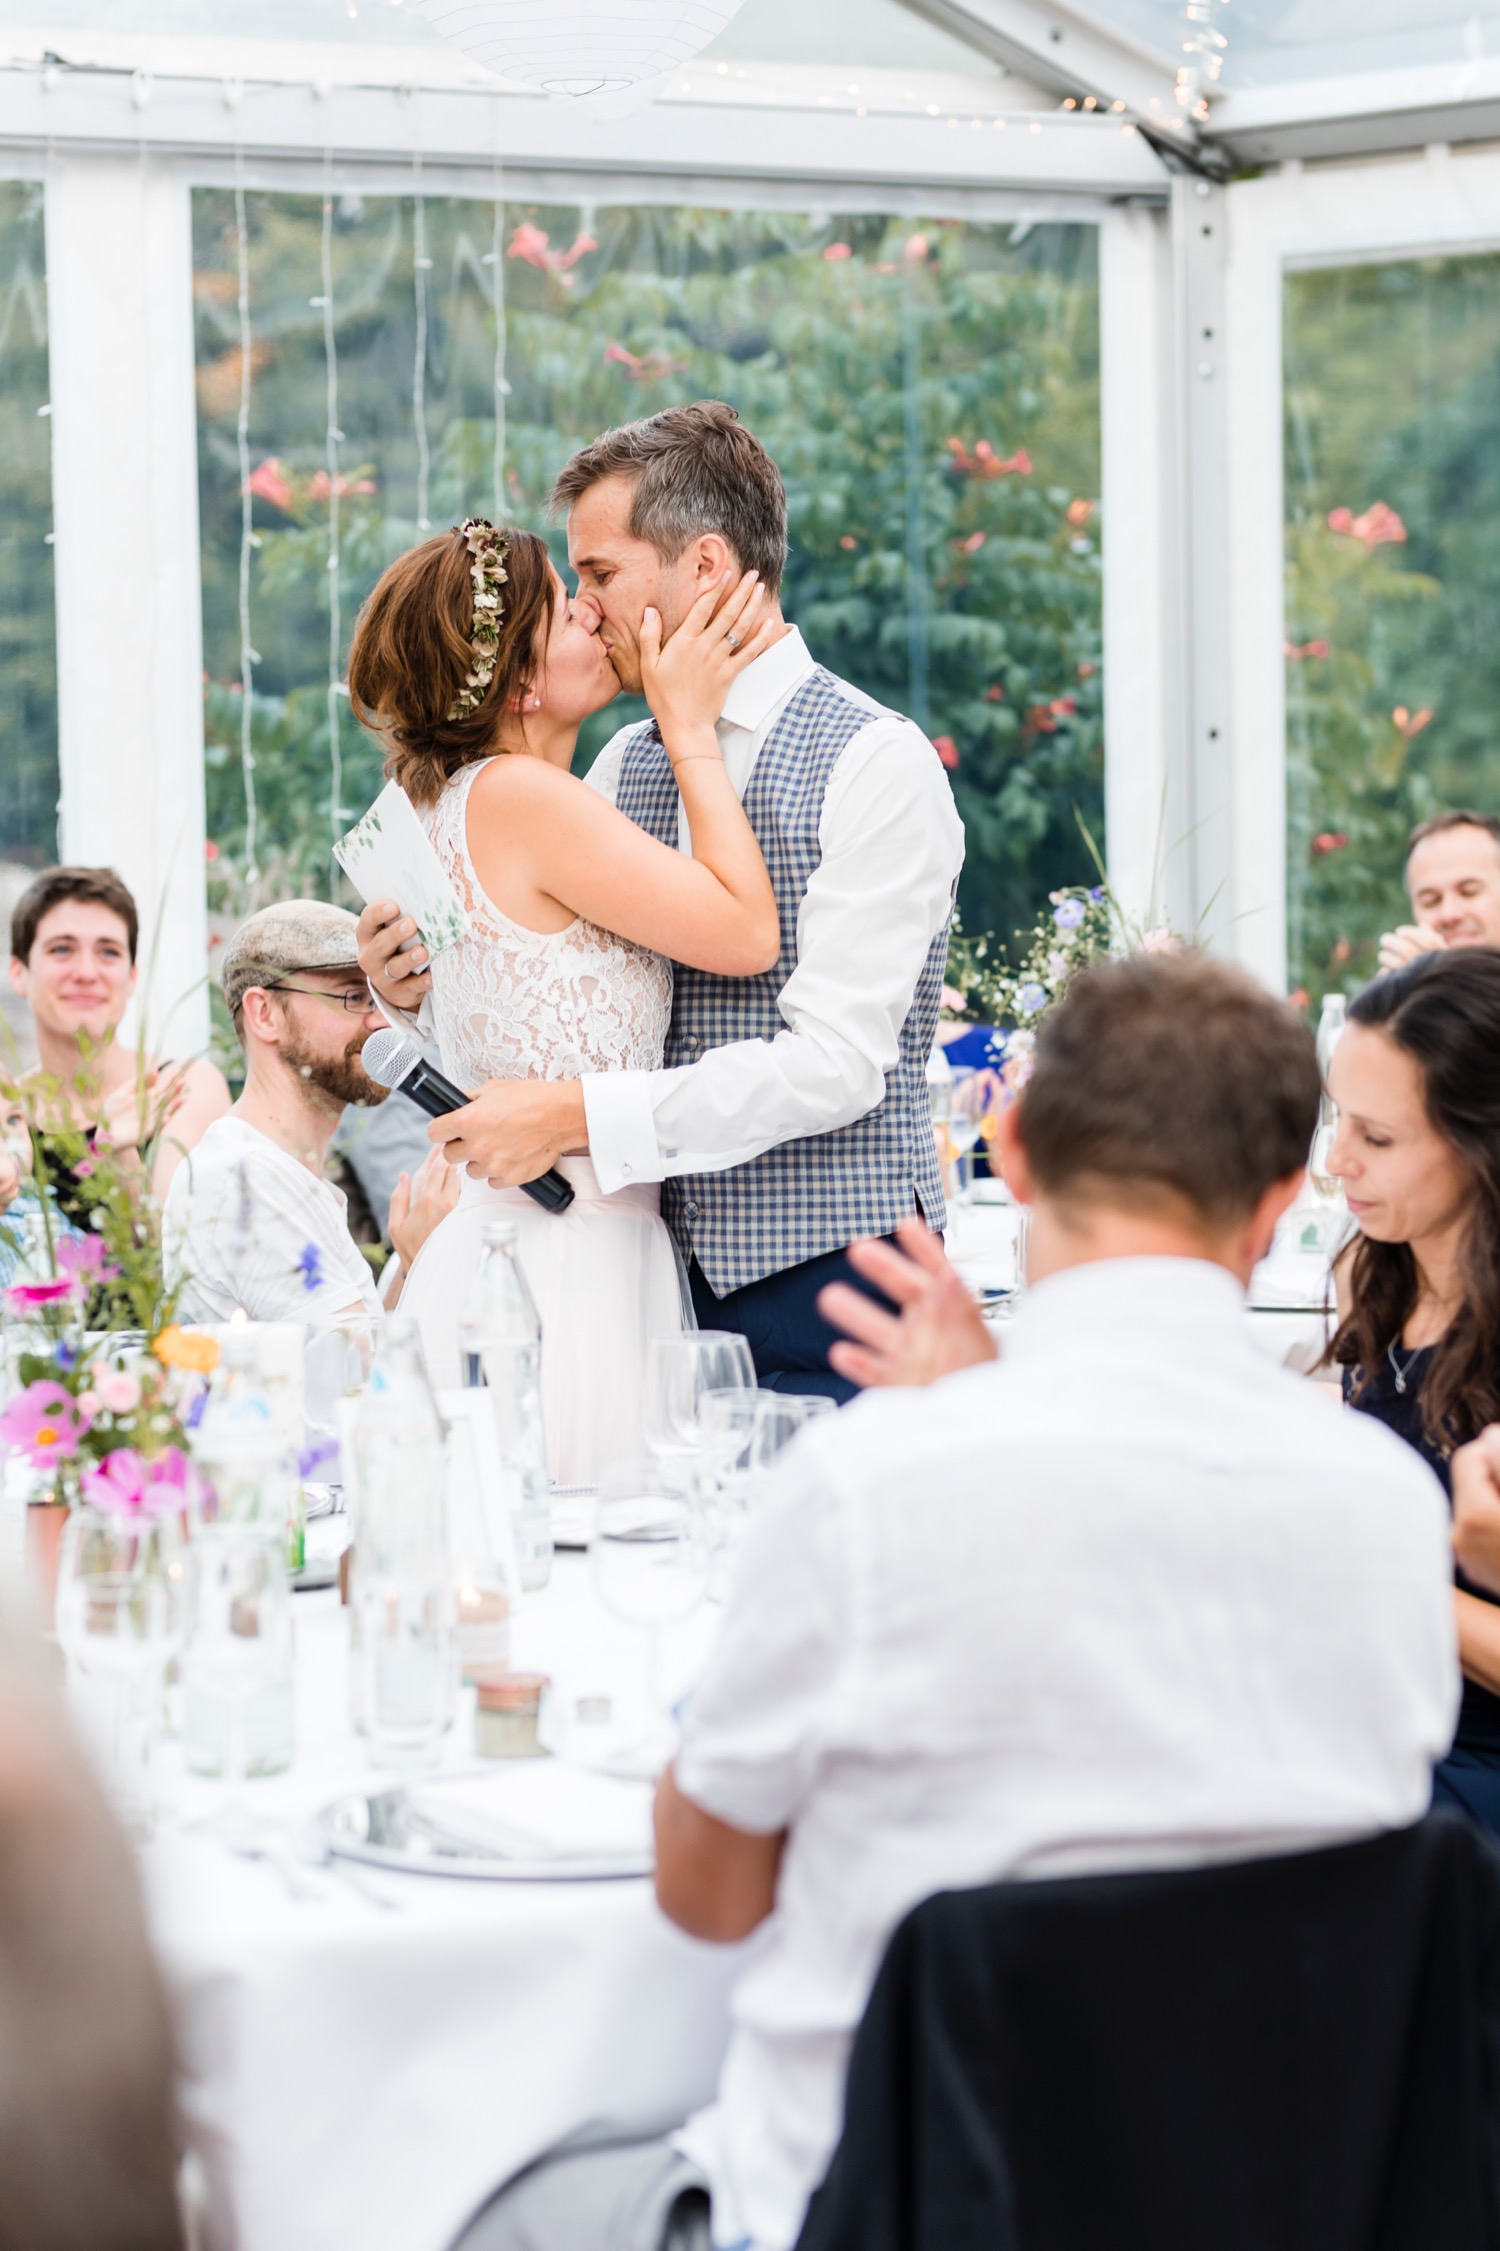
x: 1401, y: 1411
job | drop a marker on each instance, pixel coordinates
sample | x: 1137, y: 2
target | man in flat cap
x: 252, y: 1221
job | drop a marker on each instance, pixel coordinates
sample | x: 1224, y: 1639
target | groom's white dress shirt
x: 1133, y: 1598
x: 891, y: 845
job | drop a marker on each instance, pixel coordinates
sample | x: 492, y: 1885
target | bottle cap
x: 510, y: 1692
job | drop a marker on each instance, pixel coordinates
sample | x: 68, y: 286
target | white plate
x: 388, y: 1829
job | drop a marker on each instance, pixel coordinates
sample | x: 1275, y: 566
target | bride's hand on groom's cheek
x: 514, y: 1129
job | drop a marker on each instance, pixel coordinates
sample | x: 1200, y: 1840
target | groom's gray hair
x: 695, y: 469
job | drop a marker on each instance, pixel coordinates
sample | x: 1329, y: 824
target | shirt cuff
x: 623, y: 1147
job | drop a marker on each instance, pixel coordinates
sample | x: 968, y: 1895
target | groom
x: 792, y: 1116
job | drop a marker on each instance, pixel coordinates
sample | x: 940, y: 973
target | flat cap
x: 285, y: 940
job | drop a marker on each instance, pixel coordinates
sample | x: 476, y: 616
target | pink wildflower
x: 119, y: 1392
x: 44, y: 1422
x: 126, y: 1484
x: 31, y: 1297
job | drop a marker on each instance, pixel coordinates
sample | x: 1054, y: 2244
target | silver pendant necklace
x: 1397, y: 1370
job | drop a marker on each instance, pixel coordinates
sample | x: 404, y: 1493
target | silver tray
x: 386, y: 1830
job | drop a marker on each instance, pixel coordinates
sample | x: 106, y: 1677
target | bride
x: 478, y: 670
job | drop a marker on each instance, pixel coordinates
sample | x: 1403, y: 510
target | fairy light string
x: 333, y: 437
x: 248, y: 654
x: 496, y: 263
x: 421, y: 267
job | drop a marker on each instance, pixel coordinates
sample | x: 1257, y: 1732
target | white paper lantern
x: 604, y: 56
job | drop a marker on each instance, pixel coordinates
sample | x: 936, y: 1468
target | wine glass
x: 238, y: 1639
x: 118, y: 1622
x: 681, y: 1373
x: 968, y: 1100
x: 780, y: 1416
x: 649, y: 1560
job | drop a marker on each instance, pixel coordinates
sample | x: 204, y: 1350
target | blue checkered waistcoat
x: 804, y: 1197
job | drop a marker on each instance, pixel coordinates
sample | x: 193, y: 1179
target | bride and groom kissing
x: 703, y: 981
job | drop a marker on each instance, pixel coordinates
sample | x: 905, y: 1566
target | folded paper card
x: 388, y: 855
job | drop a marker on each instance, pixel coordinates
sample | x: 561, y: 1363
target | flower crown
x: 487, y: 551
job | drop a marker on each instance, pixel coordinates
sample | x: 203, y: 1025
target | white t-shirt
x: 1135, y: 1597
x: 250, y: 1226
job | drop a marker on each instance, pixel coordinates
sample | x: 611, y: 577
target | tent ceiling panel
x: 872, y: 33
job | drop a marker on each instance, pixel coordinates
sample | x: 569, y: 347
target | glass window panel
x: 930, y: 391
x: 1274, y: 42
x: 28, y: 620
x: 1392, y: 586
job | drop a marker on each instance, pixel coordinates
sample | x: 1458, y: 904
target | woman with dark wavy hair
x: 1416, y: 1078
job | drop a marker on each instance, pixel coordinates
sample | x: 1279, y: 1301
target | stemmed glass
x: 649, y: 1559
x: 238, y: 1642
x: 779, y: 1417
x: 968, y: 1094
x: 118, y: 1622
x: 682, y: 1373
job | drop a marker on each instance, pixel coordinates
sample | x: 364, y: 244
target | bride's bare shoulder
x: 519, y: 783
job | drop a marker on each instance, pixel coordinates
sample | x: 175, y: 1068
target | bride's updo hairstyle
x: 413, y: 651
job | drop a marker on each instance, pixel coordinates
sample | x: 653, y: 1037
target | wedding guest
x: 1453, y: 882
x: 73, y: 938
x: 1416, y: 1077
x: 88, y: 2132
x: 1129, y: 1597
x: 251, y: 1219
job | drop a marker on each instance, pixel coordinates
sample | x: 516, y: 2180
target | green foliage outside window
x: 1393, y: 587
x: 28, y: 626
x: 929, y: 390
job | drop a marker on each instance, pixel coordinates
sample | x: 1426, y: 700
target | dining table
x: 367, y: 2054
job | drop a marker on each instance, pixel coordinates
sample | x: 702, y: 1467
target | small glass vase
x: 119, y: 1613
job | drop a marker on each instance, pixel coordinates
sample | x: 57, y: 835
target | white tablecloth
x: 359, y: 2080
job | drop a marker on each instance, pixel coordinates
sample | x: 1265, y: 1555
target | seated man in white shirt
x: 1129, y: 1597
x: 251, y: 1221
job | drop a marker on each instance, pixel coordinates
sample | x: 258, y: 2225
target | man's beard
x: 342, y: 1077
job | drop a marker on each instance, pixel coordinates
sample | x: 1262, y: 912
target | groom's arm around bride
x: 791, y: 1118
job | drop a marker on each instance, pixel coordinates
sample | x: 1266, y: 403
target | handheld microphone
x: 400, y: 1064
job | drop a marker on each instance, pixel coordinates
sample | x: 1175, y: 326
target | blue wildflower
x: 1030, y: 998
x: 1097, y: 893
x: 310, y: 1266
x: 1069, y: 914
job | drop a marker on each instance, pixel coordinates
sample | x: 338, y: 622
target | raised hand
x: 420, y: 1204
x: 687, y: 678
x: 937, y: 1330
x: 1409, y: 943
x: 1476, y: 1507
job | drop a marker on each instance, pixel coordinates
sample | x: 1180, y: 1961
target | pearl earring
x: 534, y: 703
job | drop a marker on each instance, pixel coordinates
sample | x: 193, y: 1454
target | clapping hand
x: 1409, y: 943
x: 937, y: 1329
x: 137, y: 1111
x: 1476, y: 1508
x: 687, y: 678
x: 420, y: 1203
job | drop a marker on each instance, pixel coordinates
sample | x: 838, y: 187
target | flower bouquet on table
x: 103, y: 1389
x: 992, y: 1004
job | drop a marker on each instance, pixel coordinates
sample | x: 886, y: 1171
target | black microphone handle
x: 439, y: 1097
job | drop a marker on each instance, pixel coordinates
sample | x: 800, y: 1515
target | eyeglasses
x: 358, y: 999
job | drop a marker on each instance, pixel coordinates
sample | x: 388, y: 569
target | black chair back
x: 1300, y: 2054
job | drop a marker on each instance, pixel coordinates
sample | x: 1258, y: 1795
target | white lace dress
x: 511, y: 1003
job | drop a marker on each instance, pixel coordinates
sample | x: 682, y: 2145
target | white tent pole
x: 1145, y: 783
x: 125, y: 500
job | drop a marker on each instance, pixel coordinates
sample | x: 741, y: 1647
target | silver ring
x: 733, y: 639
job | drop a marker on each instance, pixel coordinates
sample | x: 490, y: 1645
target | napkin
x: 540, y: 1810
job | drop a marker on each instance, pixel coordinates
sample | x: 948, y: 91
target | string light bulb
x: 607, y: 57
